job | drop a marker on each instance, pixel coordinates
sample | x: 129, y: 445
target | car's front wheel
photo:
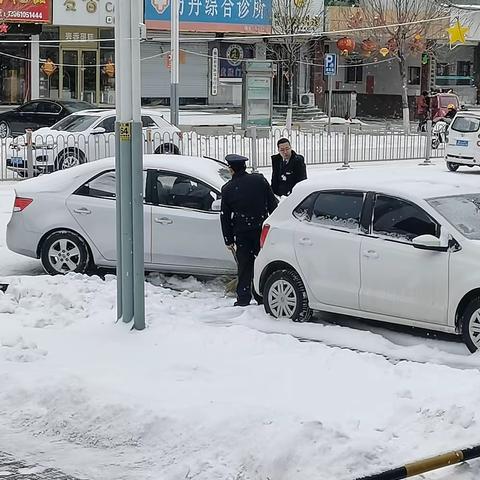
x: 285, y: 296
x: 470, y: 322
x: 70, y: 158
x: 4, y: 129
x: 453, y: 167
x: 64, y: 252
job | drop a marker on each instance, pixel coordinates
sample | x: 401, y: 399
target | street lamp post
x: 129, y: 166
x: 174, y: 63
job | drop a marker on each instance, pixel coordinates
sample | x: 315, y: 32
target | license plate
x: 462, y: 143
x: 16, y: 161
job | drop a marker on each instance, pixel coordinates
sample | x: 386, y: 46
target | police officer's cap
x: 234, y: 159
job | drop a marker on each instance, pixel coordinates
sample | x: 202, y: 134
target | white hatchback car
x: 463, y: 143
x: 400, y: 247
x: 67, y: 219
x: 86, y: 136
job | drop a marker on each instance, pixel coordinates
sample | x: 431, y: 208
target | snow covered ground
x: 209, y: 391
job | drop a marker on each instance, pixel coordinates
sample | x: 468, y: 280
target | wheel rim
x: 3, y: 130
x: 474, y: 328
x: 70, y: 161
x: 282, y: 299
x: 64, y: 256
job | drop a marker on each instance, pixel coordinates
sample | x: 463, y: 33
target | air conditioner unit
x: 306, y: 100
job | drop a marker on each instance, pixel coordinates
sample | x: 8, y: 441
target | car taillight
x: 21, y: 203
x: 263, y: 236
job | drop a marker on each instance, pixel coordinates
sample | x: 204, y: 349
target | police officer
x: 247, y: 200
x: 288, y: 168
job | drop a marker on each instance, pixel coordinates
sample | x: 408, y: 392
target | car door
x: 186, y: 233
x: 93, y: 206
x: 47, y: 113
x: 327, y: 245
x: 398, y: 279
x: 25, y: 117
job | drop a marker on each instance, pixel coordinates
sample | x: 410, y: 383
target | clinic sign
x: 93, y: 13
x: 243, y: 16
x: 26, y: 11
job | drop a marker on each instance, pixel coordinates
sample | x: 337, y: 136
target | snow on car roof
x: 414, y: 183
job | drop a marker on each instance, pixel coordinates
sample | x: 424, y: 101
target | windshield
x: 446, y: 100
x: 77, y: 106
x: 465, y: 124
x: 75, y: 123
x: 462, y: 211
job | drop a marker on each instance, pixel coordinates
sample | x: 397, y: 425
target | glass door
x: 88, y: 76
x: 70, y: 75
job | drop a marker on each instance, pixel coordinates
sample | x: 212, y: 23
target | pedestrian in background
x: 247, y: 200
x: 288, y: 168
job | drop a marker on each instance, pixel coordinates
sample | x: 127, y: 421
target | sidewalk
x: 12, y: 469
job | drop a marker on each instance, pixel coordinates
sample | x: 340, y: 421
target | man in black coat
x: 288, y: 168
x: 247, y: 200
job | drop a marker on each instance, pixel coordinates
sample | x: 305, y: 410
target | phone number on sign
x: 7, y: 14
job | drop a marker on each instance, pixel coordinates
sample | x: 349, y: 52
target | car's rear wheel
x: 470, y: 322
x: 64, y: 252
x: 168, y: 148
x: 70, y: 158
x: 285, y: 296
x: 453, y: 167
x: 4, y: 129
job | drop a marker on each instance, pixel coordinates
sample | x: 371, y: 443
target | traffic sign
x: 330, y: 64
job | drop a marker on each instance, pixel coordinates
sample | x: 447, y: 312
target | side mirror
x: 98, y: 131
x: 216, y: 205
x: 429, y: 242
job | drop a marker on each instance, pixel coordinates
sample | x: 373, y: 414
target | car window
x: 75, y: 123
x: 401, y: 220
x: 338, y: 209
x: 178, y: 190
x: 76, y: 106
x: 108, y: 124
x: 304, y: 211
x: 49, y: 107
x: 465, y: 124
x: 148, y: 121
x: 30, y: 107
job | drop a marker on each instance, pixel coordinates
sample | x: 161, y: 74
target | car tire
x: 453, y: 167
x: 4, y: 129
x: 71, y: 157
x: 470, y: 324
x: 286, y: 286
x: 64, y: 252
x: 168, y: 148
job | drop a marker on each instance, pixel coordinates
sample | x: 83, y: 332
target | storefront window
x: 107, y: 70
x: 49, y: 64
x: 14, y: 72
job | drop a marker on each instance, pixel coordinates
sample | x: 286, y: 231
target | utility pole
x: 129, y: 165
x: 174, y: 63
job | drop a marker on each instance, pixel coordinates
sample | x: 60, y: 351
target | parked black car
x: 36, y: 114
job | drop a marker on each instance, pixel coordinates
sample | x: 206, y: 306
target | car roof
x: 203, y: 168
x: 102, y: 112
x: 412, y: 183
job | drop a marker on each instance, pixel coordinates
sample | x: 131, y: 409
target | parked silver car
x: 67, y: 218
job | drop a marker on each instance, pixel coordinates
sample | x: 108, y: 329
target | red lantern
x: 368, y: 46
x: 346, y: 45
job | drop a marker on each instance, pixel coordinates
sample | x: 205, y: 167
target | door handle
x: 82, y: 211
x: 306, y: 242
x: 370, y: 254
x: 163, y: 220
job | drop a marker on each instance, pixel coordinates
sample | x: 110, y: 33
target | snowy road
x: 203, y: 393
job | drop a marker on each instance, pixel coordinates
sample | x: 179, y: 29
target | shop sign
x: 246, y: 16
x: 26, y: 11
x: 232, y: 56
x: 95, y: 13
x: 88, y: 36
x: 214, y: 71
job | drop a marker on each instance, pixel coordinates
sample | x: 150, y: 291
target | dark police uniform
x: 285, y: 175
x: 247, y: 200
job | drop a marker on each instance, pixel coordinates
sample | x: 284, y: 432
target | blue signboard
x: 245, y: 16
x: 330, y: 64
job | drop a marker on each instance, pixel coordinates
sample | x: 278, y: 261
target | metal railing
x: 32, y: 154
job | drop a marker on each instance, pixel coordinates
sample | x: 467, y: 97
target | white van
x: 463, y: 140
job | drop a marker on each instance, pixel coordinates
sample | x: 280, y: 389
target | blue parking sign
x: 330, y: 64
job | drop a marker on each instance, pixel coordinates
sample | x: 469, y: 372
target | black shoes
x: 241, y: 304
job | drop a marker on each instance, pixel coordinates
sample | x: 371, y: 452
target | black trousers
x: 248, y: 246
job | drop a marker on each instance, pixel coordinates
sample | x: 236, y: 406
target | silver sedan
x: 67, y: 218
